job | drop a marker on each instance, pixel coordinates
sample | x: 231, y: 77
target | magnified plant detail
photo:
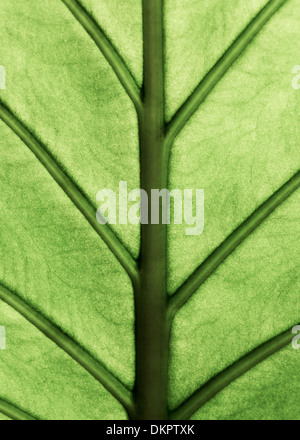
x: 154, y: 321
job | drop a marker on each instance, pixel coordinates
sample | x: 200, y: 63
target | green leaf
x: 73, y: 294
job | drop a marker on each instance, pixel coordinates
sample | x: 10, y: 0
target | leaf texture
x: 69, y: 127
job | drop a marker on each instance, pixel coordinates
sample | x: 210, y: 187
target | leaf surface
x: 241, y: 146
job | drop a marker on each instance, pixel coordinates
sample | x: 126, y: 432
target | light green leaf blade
x: 241, y: 146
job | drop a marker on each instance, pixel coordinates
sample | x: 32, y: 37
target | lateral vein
x: 71, y: 190
x: 95, y: 368
x: 230, y: 374
x: 13, y: 411
x: 193, y: 102
x: 107, y: 49
x: 206, y: 269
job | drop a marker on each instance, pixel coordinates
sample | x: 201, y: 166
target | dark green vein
x: 151, y: 338
x: 72, y: 191
x: 107, y: 49
x: 97, y: 370
x: 230, y: 374
x: 13, y: 412
x: 218, y: 71
x: 203, y: 272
